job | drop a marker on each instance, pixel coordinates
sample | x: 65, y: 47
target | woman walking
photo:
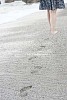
x: 51, y: 6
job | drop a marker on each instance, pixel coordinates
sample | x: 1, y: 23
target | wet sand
x: 33, y: 62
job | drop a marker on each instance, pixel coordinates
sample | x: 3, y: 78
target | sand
x: 33, y: 62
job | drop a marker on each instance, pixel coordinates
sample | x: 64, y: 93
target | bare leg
x: 52, y: 20
x: 48, y: 15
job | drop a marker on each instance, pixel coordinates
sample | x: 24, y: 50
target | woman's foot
x: 54, y: 32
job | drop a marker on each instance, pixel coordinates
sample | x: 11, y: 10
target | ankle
x: 52, y: 30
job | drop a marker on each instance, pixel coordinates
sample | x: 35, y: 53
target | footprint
x: 34, y: 71
x: 26, y: 88
x: 23, y: 91
x: 46, y: 39
x: 41, y: 47
x: 37, y: 67
x: 33, y: 57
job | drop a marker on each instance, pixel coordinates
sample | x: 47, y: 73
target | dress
x: 51, y: 4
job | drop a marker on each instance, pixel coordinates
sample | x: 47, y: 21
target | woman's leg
x: 52, y: 20
x: 48, y: 15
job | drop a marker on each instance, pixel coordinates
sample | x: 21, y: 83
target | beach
x: 15, y: 10
x: 12, y: 11
x: 33, y: 62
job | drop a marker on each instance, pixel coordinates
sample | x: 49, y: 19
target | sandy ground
x: 33, y: 62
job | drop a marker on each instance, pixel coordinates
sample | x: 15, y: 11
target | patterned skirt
x: 51, y: 4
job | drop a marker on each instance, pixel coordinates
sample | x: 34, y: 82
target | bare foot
x: 54, y: 32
